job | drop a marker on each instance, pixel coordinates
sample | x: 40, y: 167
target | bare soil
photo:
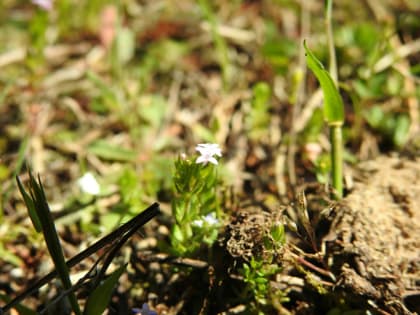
x: 374, y: 240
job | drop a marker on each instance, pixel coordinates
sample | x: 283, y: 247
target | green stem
x: 330, y: 40
x: 336, y: 139
x: 220, y: 43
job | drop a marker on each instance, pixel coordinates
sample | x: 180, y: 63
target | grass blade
x: 30, y: 206
x: 39, y: 203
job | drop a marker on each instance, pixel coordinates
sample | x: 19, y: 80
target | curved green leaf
x: 333, y: 103
x: 99, y: 299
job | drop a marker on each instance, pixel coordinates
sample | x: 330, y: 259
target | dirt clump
x: 373, y: 246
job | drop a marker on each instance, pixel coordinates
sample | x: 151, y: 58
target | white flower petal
x: 44, y: 4
x: 202, y: 160
x: 211, y: 219
x: 212, y: 160
x: 88, y: 184
x: 198, y: 223
x: 207, y: 152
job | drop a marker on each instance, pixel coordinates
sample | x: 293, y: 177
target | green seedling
x: 256, y: 275
x: 98, y: 300
x: 195, y: 206
x: 41, y: 217
x: 334, y: 115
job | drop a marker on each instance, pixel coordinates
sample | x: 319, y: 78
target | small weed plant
x: 195, y: 206
x: 259, y: 271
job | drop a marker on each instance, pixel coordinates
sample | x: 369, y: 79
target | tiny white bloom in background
x: 207, y: 152
x: 210, y: 219
x: 312, y: 150
x: 88, y: 184
x: 44, y: 4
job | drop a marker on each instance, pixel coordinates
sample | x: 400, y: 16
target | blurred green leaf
x: 366, y: 36
x: 203, y: 133
x: 107, y: 151
x: 277, y: 49
x: 372, y: 88
x: 177, y: 233
x: 375, y: 116
x: 402, y: 127
x: 99, y: 299
x: 394, y: 127
x: 130, y: 188
x: 124, y: 46
x: 9, y: 257
x: 258, y: 118
x: 4, y: 172
x: 152, y: 108
x: 106, y: 98
x: 167, y: 53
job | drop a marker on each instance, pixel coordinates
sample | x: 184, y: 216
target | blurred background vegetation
x: 121, y: 88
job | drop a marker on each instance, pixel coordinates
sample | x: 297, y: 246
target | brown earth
x: 373, y: 246
x: 365, y: 249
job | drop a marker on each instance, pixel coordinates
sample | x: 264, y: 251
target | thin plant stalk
x: 336, y: 140
x: 336, y: 135
x: 330, y: 40
x: 221, y: 47
x: 334, y: 115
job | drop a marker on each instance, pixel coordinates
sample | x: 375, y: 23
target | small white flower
x: 209, y: 219
x: 44, y: 4
x: 207, y: 152
x: 313, y: 150
x: 88, y: 184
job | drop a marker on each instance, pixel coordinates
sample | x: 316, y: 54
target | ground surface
x: 121, y: 90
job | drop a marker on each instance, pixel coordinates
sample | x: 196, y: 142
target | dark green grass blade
x: 50, y: 235
x: 135, y: 223
x: 30, y: 206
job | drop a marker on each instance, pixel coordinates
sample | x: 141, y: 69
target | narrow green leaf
x: 8, y: 256
x: 99, y: 299
x: 333, y: 103
x: 23, y: 310
x: 51, y: 237
x: 31, y: 206
x: 108, y: 151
